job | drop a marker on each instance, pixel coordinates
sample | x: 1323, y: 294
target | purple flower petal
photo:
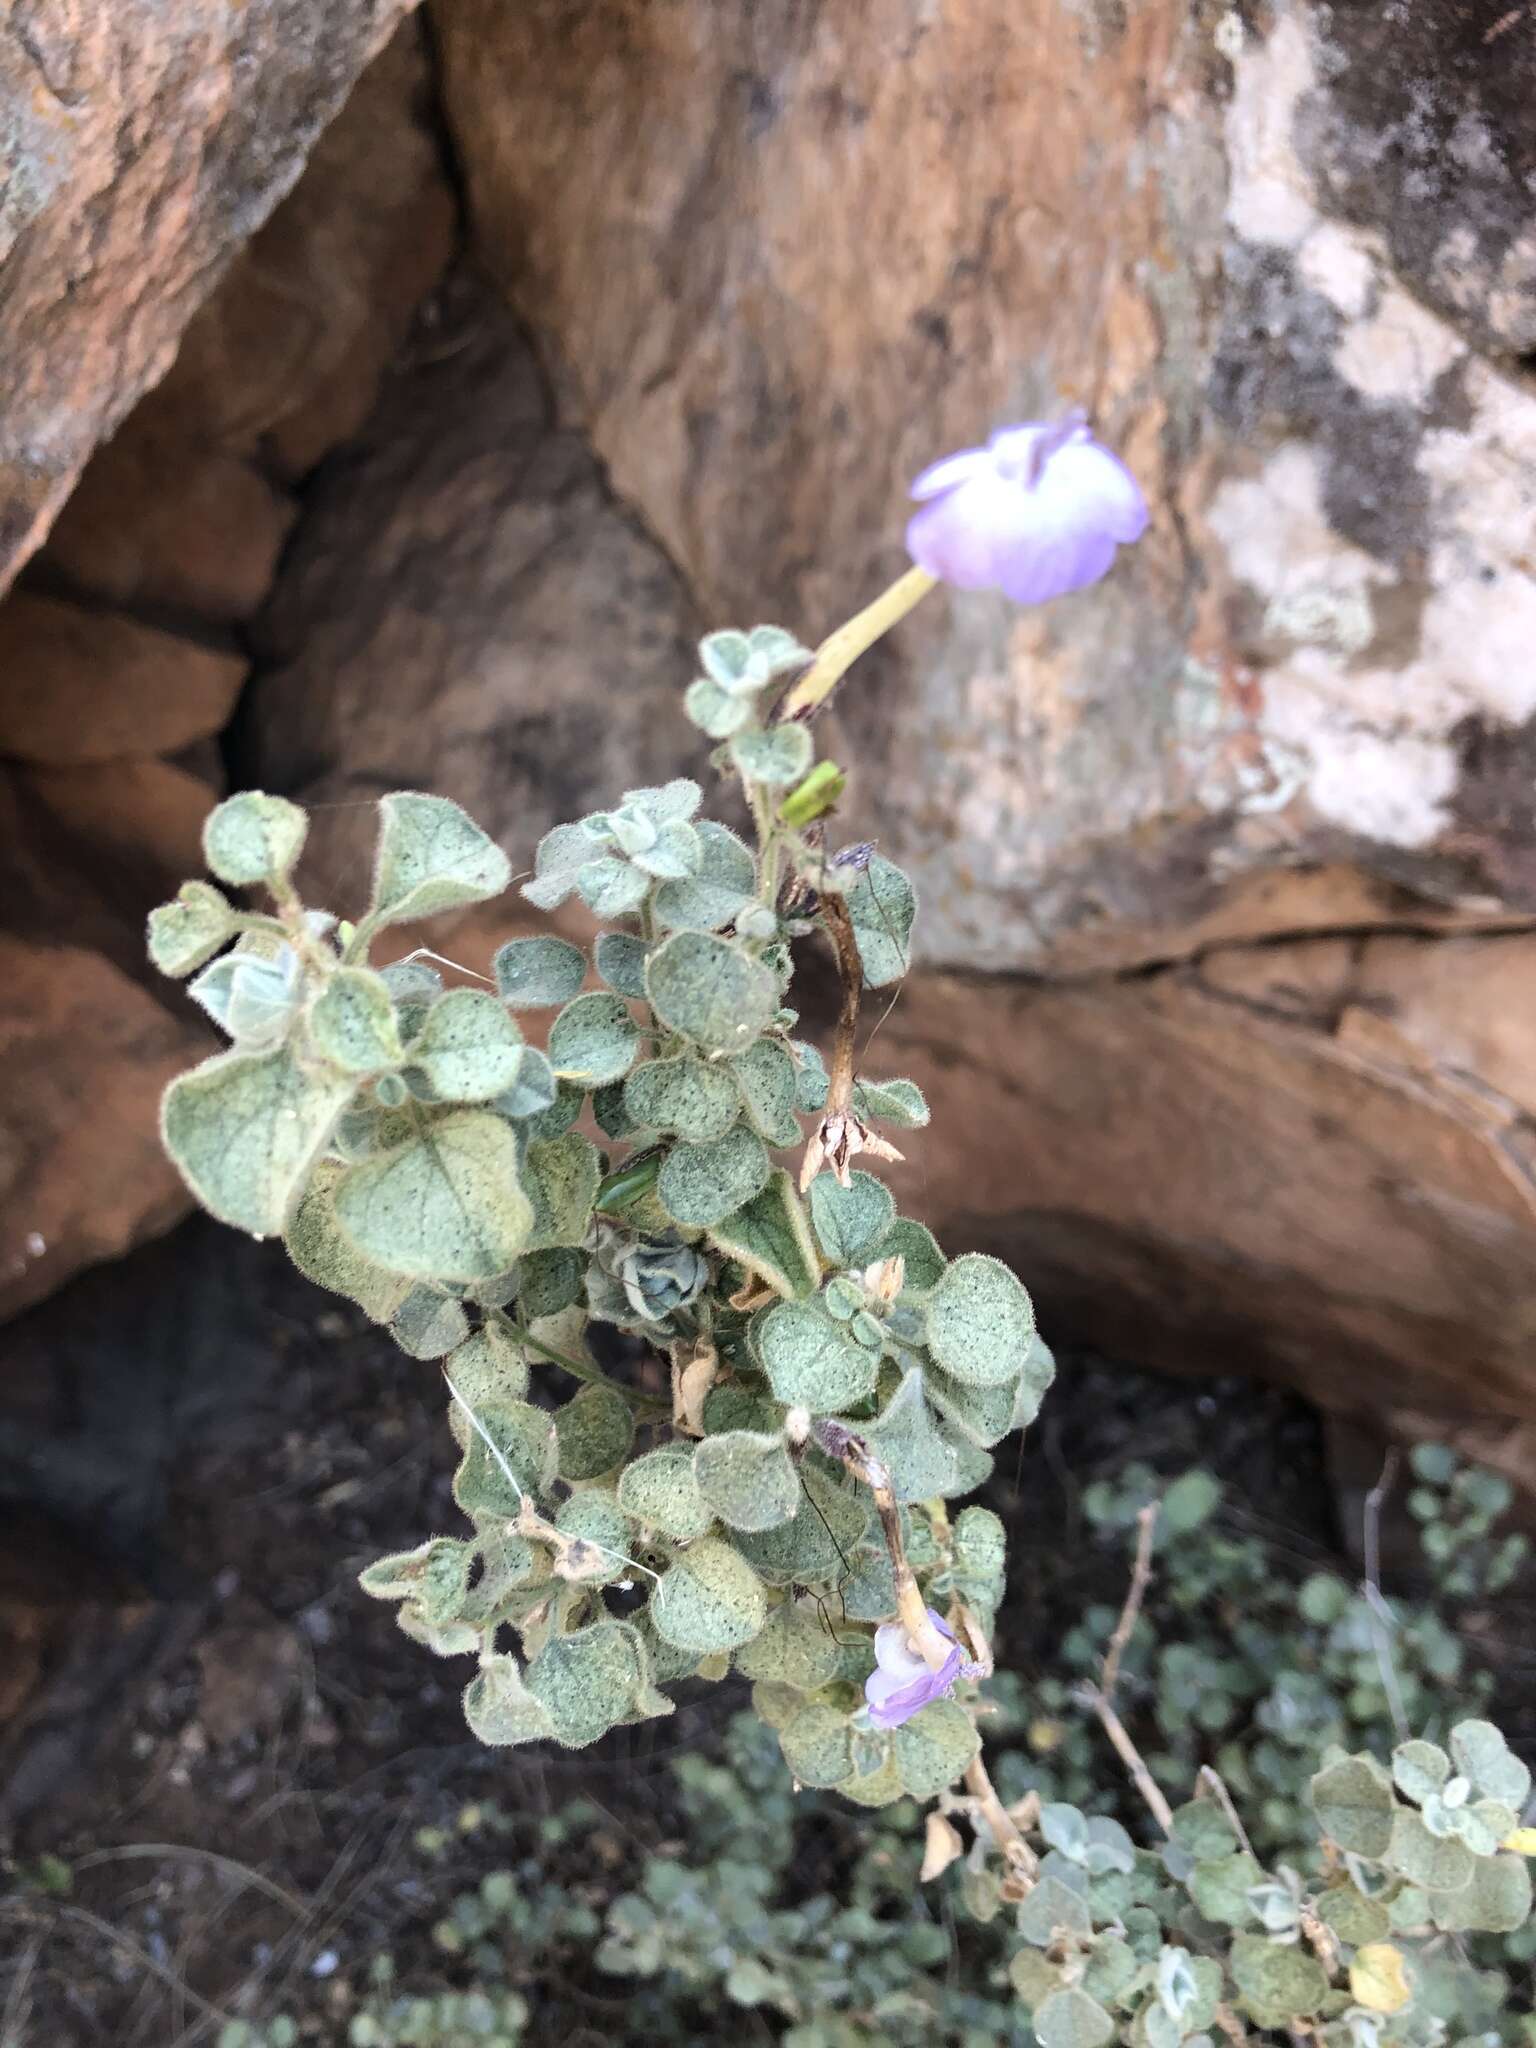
x: 959, y: 537
x: 902, y: 1683
x: 1101, y: 488
x: 949, y: 471
x: 1037, y: 513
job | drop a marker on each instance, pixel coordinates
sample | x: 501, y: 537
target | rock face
x: 145, y: 144
x: 123, y: 655
x: 1229, y: 865
x: 1256, y: 817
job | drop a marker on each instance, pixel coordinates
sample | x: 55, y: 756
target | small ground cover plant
x: 777, y: 1491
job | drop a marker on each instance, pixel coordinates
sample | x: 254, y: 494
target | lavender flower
x: 1038, y: 512
x: 902, y: 1683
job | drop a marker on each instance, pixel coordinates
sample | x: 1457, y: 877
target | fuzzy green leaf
x: 560, y: 1177
x: 984, y: 1414
x: 1354, y: 1806
x: 1419, y: 1769
x: 703, y: 1184
x: 620, y: 960
x: 775, y: 757
x: 1279, y: 1983
x: 489, y: 1369
x: 980, y: 1322
x: 588, y: 1681
x: 710, y: 1599
x: 698, y: 1101
x: 428, y: 1323
x: 352, y: 1023
x: 899, y: 1103
x: 612, y: 888
x: 765, y: 1074
x: 1484, y: 1756
x: 816, y: 1545
x: 934, y: 1747
x: 324, y: 1253
x: 747, y: 1478
x: 797, y: 1648
x: 190, y: 929
x: 533, y: 1093
x: 711, y: 991
x: 550, y: 1281
x: 594, y: 1432
x: 810, y: 1363
x: 918, y: 1250
x: 661, y: 1490
x: 1495, y: 1900
x: 500, y: 1709
x: 594, y: 1039
x: 1436, y: 1863
x: 904, y: 1438
x: 771, y: 1237
x: 1054, y: 1909
x: 246, y: 1129
x: 447, y: 1204
x: 522, y: 1444
x: 851, y: 1221
x: 815, y: 1742
x: 1071, y: 2019
x: 881, y: 906
x: 538, y: 974
x: 431, y: 857
x: 253, y: 838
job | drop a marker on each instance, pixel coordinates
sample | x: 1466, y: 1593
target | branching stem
x: 1101, y: 1697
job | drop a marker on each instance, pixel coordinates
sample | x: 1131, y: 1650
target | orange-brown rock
x: 85, y: 1052
x: 1197, y: 1174
x: 87, y: 685
x: 466, y: 609
x: 144, y: 145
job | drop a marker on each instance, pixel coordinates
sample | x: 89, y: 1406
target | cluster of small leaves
x: 489, y: 1199
x: 1161, y: 1948
x: 736, y: 1916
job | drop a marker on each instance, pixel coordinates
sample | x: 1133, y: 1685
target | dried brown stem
x: 850, y: 970
x: 1101, y: 1697
x: 1141, y: 1578
x: 1216, y: 1786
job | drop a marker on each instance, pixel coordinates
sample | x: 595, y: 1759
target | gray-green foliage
x: 731, y: 1921
x: 488, y: 1183
x: 811, y: 1355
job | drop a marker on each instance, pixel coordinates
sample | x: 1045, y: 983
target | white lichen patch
x: 1377, y: 739
x: 1401, y: 351
x: 1337, y: 262
x: 1270, y: 196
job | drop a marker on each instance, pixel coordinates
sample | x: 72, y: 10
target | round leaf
x: 536, y: 974
x: 594, y: 1039
x: 447, y: 1204
x: 711, y: 991
x: 702, y: 1184
x: 980, y: 1323
x: 710, y: 1600
x: 809, y: 1361
x: 352, y: 1022
x: 254, y: 838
